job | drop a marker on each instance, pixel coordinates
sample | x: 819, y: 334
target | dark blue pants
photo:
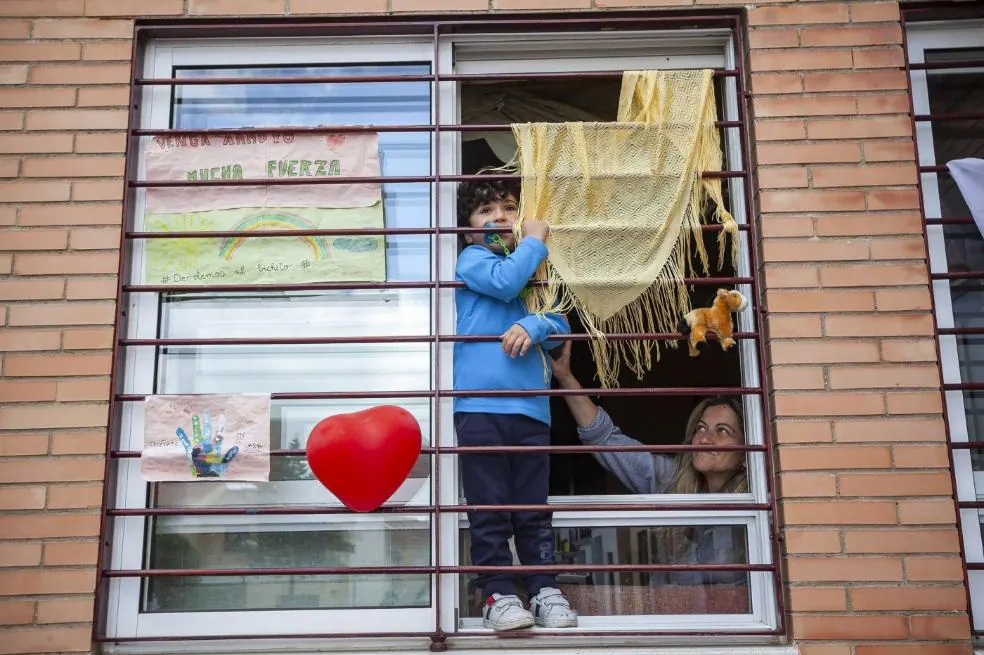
x: 520, y: 479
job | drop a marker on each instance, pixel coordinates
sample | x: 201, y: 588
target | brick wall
x: 873, y: 557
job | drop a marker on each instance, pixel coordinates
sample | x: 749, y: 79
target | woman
x: 715, y: 421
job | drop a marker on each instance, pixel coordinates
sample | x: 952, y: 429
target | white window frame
x: 970, y: 484
x: 499, y: 53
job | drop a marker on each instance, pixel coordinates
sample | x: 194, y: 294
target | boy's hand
x: 535, y: 229
x: 516, y: 341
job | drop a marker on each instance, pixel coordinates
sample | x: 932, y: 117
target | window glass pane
x: 612, y: 594
x: 295, y: 541
x: 191, y: 542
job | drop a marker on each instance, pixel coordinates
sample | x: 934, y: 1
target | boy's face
x: 498, y: 213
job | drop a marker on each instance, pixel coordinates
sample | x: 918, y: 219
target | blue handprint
x: 207, y: 460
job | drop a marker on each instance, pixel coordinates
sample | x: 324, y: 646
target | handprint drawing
x: 207, y: 460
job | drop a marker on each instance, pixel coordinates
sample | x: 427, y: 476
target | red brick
x: 31, y: 52
x: 928, y: 628
x: 855, y: 176
x: 854, y: 81
x: 808, y: 153
x: 299, y: 7
x: 879, y: 58
x: 12, y: 445
x: 927, y: 512
x: 906, y: 350
x: 235, y: 7
x: 900, y: 325
x: 834, y: 457
x: 776, y: 83
x: 73, y: 167
x: 807, y: 648
x: 16, y: 613
x: 101, y: 190
x: 828, y: 403
x: 907, y: 598
x: 34, y: 239
x: 19, y: 289
x: 788, y: 431
x: 71, y: 74
x: 71, y: 215
x: 19, y: 554
x: 34, y: 191
x: 6, y: 266
x: 845, y: 569
x: 874, y: 12
x: 91, y: 289
x: 15, y: 29
x: 893, y: 199
x: 14, y: 391
x: 134, y: 8
x: 797, y: 377
x: 800, y: 201
x: 96, y: 143
x: 823, y: 352
x: 89, y: 339
x: 75, y: 610
x: 839, y: 512
x: 794, y: 327
x: 62, y: 415
x: 45, y: 8
x: 914, y: 402
x: 83, y: 28
x: 881, y: 377
x: 56, y: 365
x: 91, y: 442
x: 808, y: 485
x: 934, y: 569
x: 95, y: 238
x: 849, y: 627
x: 70, y: 553
x: 900, y: 248
x: 790, y: 277
x: 825, y: 105
x: 103, y: 96
x: 815, y: 250
x: 863, y: 128
x: 893, y: 429
x: 782, y: 178
x: 921, y: 457
x: 894, y: 484
x: 821, y: 301
x: 759, y: 39
x: 805, y: 60
x: 921, y: 648
x: 812, y: 542
x: 76, y: 390
x: 71, y: 313
x: 48, y: 640
x: 78, y: 119
x: 799, y: 14
x: 900, y: 540
x: 35, y: 143
x: 875, y: 151
x: 20, y: 498
x: 416, y: 6
x: 75, y: 497
x: 18, y: 98
x: 18, y: 583
x: 872, y: 275
x: 526, y: 5
x: 779, y: 225
x: 846, y: 35
x: 109, y: 51
x: 817, y: 599
x: 49, y: 525
x: 883, y: 103
x: 67, y: 264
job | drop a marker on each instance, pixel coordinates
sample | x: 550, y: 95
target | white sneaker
x: 551, y: 609
x: 505, y: 612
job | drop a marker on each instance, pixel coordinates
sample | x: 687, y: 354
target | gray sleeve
x: 637, y: 471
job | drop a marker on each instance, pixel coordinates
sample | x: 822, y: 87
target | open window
x: 201, y: 560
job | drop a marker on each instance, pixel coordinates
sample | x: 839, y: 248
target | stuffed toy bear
x: 717, y: 319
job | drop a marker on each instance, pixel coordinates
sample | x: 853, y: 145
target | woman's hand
x: 562, y: 363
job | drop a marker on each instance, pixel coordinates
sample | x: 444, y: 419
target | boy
x: 495, y: 271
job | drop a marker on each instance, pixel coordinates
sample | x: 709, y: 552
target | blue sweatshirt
x: 490, y: 304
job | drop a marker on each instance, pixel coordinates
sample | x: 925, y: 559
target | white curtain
x: 969, y: 176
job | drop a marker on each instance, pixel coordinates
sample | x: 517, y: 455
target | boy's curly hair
x: 472, y: 195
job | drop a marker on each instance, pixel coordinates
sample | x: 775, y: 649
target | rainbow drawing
x: 273, y: 221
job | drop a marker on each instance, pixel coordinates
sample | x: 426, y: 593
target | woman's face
x: 719, y: 425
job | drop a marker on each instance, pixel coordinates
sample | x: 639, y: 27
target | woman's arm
x: 582, y: 407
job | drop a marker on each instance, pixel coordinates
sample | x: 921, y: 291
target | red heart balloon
x: 364, y: 457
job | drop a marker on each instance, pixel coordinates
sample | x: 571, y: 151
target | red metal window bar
x: 435, y: 29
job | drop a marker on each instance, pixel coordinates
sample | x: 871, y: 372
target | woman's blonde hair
x: 672, y: 543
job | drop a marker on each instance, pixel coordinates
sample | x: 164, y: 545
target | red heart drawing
x: 364, y: 457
